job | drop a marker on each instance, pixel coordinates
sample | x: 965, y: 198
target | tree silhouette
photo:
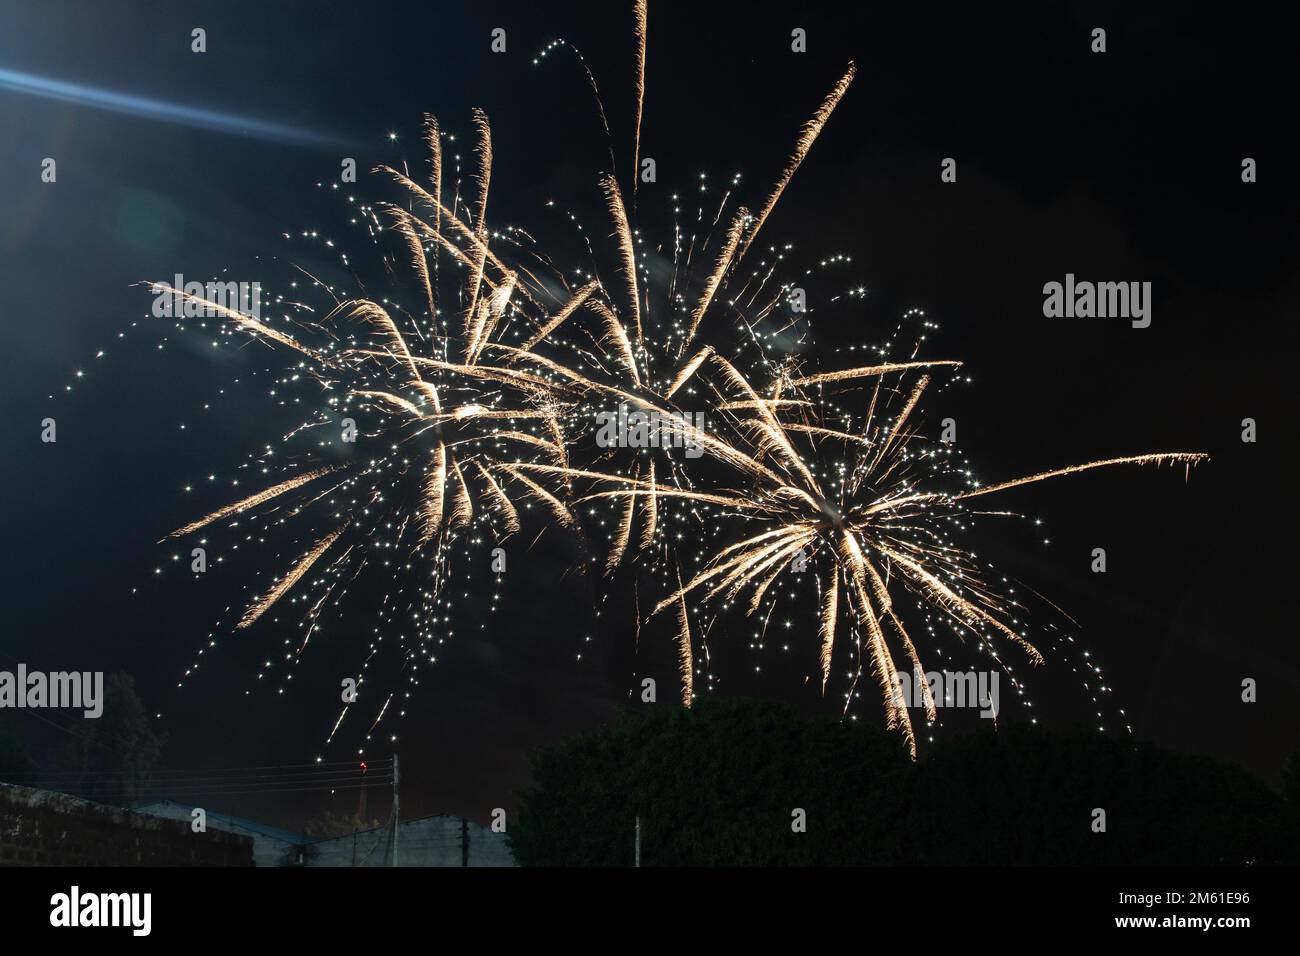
x: 721, y: 784
x: 15, y: 760
x: 117, y: 752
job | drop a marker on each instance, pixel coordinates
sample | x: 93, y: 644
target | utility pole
x: 397, y: 804
x: 464, y: 842
x: 638, y: 841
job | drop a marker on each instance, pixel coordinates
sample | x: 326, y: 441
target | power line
x: 228, y: 793
x: 217, y: 776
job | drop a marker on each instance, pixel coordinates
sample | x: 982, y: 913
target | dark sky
x: 1121, y: 166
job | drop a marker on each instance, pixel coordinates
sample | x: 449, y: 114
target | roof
x: 385, y: 826
x: 252, y: 826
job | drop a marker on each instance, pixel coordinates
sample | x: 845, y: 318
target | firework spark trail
x: 264, y: 603
x: 433, y: 139
x: 551, y: 446
x: 769, y: 425
x: 557, y: 320
x: 726, y: 451
x: 497, y: 373
x: 489, y: 315
x: 595, y: 91
x: 689, y: 369
x: 474, y: 316
x: 618, y: 212
x: 806, y: 139
x: 869, y: 371
x: 557, y: 507
x: 829, y: 433
x: 395, y: 401
x: 397, y: 213
x: 830, y: 610
x: 509, y: 515
x: 927, y: 697
x: 434, y: 495
x: 756, y: 568
x: 719, y: 270
x: 734, y: 567
x: 685, y: 657
x: 639, y: 17
x: 376, y: 315
x: 948, y: 597
x: 623, y: 537
x: 462, y: 509
x: 418, y: 260
x: 651, y: 512
x: 1173, y: 457
x: 242, y: 321
x: 255, y: 499
x: 901, y: 420
x: 471, y: 236
x: 485, y: 170
x: 765, y: 403
x: 616, y: 336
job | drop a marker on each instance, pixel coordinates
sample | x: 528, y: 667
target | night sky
x: 1123, y: 166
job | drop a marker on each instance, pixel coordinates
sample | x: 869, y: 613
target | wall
x: 43, y: 828
x: 269, y: 848
x: 429, y: 841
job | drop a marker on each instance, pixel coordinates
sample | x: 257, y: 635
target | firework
x: 479, y: 402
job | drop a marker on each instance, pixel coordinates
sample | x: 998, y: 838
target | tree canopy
x: 723, y: 784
